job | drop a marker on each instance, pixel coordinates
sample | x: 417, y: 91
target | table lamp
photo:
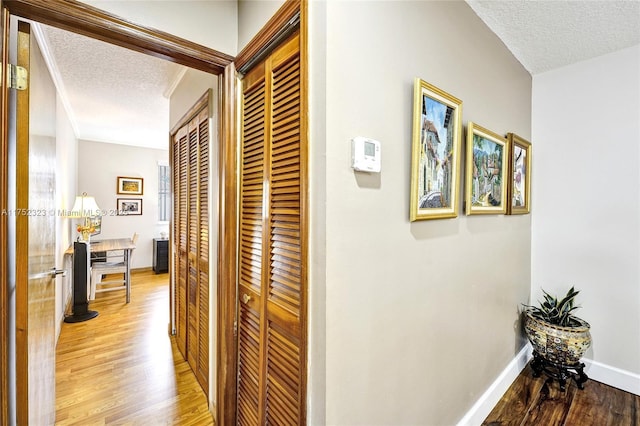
x: 85, y: 207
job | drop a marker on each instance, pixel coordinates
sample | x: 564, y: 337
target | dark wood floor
x: 539, y: 402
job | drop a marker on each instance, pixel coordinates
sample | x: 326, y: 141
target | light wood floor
x: 534, y: 401
x: 123, y: 368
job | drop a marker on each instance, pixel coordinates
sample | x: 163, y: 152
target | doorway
x: 94, y: 23
x: 99, y: 25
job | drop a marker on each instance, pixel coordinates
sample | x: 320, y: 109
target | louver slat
x: 284, y: 289
x: 203, y: 193
x: 283, y: 374
x: 202, y: 257
x: 250, y: 251
x: 180, y: 235
x: 192, y: 244
x: 251, y: 187
x: 175, y: 188
x: 248, y: 367
x: 203, y: 330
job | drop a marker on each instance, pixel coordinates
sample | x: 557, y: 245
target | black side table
x: 160, y: 255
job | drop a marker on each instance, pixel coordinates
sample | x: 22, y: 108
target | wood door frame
x: 22, y: 229
x: 81, y: 18
x: 4, y: 223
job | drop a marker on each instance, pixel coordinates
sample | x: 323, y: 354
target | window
x: 164, y: 193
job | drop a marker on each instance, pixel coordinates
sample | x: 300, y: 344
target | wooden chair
x: 98, y: 269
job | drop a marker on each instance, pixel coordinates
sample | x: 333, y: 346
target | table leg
x: 127, y: 262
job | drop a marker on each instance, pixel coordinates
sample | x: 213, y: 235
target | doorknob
x: 245, y: 298
x: 55, y: 272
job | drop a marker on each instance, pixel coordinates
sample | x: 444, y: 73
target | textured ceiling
x: 115, y: 95
x: 544, y: 35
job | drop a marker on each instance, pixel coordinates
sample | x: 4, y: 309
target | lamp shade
x: 85, y: 206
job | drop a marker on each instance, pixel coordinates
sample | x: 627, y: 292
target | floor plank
x: 515, y: 404
x: 539, y: 401
x: 123, y: 368
x: 550, y: 407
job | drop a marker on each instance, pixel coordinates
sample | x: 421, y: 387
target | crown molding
x: 177, y: 78
x: 50, y: 60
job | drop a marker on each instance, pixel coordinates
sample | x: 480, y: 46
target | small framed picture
x: 435, y: 153
x: 520, y: 175
x: 129, y: 206
x: 486, y: 171
x: 130, y: 185
x: 96, y: 224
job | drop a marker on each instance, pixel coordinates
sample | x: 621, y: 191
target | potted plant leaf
x: 559, y: 338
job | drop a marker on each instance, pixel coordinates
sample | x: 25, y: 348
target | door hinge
x: 17, y: 77
x: 235, y: 328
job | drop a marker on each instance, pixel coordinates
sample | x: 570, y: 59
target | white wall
x: 191, y: 87
x: 252, y: 15
x: 586, y: 198
x: 66, y: 180
x: 317, y: 270
x: 99, y: 165
x: 44, y: 98
x: 210, y: 23
x: 420, y: 317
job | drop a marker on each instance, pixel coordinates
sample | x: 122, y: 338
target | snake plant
x: 554, y: 311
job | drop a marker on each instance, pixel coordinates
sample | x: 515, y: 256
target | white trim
x: 612, y: 376
x: 49, y: 59
x: 498, y: 388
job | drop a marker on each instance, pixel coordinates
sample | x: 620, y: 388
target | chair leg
x: 95, y: 279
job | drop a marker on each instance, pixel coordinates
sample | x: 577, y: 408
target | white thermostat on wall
x: 365, y: 155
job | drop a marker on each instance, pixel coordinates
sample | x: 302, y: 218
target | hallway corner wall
x: 586, y: 200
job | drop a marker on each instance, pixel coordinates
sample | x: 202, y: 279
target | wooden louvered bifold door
x: 251, y: 246
x: 271, y: 325
x: 191, y: 231
x: 180, y: 170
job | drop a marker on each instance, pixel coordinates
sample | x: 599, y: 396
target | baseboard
x: 612, y: 376
x: 492, y: 395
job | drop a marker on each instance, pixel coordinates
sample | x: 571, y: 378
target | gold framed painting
x: 130, y: 185
x: 520, y: 175
x: 486, y: 172
x: 435, y: 153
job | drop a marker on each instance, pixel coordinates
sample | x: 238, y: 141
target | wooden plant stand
x: 560, y: 372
